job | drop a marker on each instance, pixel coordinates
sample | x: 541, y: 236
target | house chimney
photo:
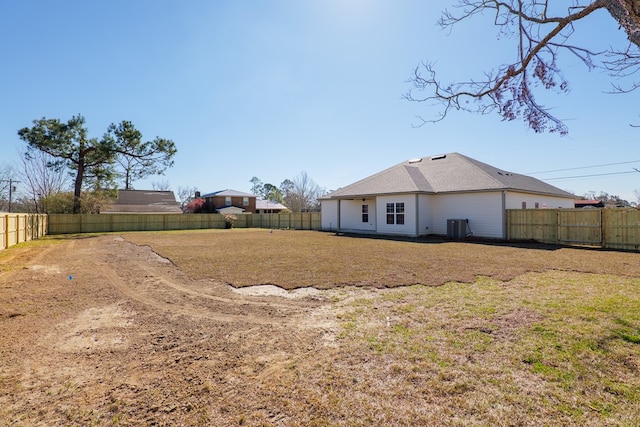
x: 197, y: 194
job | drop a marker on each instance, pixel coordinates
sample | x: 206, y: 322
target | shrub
x: 196, y: 206
x: 228, y: 220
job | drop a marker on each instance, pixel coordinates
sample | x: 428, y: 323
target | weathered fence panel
x: 98, y: 223
x: 535, y: 224
x: 606, y: 228
x: 580, y: 226
x: 17, y: 228
x: 621, y: 228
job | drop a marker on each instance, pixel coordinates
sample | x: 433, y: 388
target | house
x: 269, y: 206
x: 143, y: 201
x: 448, y: 194
x: 222, y: 201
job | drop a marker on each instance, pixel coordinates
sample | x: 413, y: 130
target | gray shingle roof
x: 144, y: 201
x: 269, y: 204
x: 228, y: 193
x: 447, y: 173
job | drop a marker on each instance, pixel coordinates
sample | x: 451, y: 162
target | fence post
x: 557, y: 226
x: 602, y: 234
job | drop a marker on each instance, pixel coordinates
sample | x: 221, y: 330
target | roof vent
x: 441, y: 156
x: 415, y: 161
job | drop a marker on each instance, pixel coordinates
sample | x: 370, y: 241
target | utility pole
x: 12, y: 189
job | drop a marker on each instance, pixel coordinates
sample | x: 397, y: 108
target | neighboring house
x: 143, y: 201
x: 221, y: 201
x: 230, y: 210
x: 269, y: 206
x: 449, y: 194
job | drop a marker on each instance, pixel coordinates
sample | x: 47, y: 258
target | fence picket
x: 18, y: 228
x: 607, y: 228
x: 95, y: 223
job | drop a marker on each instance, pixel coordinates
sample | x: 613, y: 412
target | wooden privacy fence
x: 97, y: 223
x: 17, y: 228
x: 607, y: 228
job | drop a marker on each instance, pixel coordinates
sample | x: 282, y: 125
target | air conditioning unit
x: 457, y: 228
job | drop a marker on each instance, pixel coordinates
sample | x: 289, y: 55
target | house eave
x: 485, y: 190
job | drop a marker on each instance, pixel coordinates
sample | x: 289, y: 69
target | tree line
x: 300, y: 194
x: 62, y: 153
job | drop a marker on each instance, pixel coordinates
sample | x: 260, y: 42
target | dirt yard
x: 101, y: 331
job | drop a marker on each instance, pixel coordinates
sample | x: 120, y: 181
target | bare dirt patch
x: 106, y: 332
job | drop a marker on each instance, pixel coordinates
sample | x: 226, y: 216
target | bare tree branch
x: 541, y: 38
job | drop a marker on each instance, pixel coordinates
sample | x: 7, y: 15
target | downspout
x: 339, y: 215
x: 504, y: 215
x: 375, y: 210
x: 417, y: 217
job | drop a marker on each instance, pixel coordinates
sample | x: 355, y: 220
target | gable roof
x: 446, y: 173
x: 269, y: 204
x: 228, y: 193
x: 230, y: 210
x: 144, y: 201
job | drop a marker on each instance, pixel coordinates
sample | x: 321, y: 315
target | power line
x: 588, y: 176
x: 584, y: 167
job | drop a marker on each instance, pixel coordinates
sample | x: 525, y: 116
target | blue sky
x: 273, y: 88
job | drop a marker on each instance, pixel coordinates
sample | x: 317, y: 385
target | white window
x: 395, y: 213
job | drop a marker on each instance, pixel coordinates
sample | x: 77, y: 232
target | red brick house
x: 230, y: 198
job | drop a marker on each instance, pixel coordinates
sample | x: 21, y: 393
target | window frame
x: 365, y: 213
x: 391, y: 213
x: 400, y: 213
x: 395, y: 213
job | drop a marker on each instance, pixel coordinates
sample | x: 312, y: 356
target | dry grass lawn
x: 293, y: 259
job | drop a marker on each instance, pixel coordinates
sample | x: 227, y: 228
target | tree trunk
x: 627, y: 13
x: 77, y: 186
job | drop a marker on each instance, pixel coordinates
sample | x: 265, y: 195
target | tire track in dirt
x: 143, y: 276
x: 132, y: 337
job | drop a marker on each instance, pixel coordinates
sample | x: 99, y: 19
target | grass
x: 486, y: 353
x: 512, y: 336
x: 292, y: 259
